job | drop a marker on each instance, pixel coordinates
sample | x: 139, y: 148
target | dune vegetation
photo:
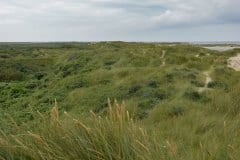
x: 180, y: 101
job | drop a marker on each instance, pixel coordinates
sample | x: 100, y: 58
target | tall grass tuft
x: 113, y: 137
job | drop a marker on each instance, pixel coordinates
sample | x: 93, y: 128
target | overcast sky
x: 126, y: 20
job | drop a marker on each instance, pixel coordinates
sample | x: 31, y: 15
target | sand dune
x: 234, y: 62
x: 222, y: 48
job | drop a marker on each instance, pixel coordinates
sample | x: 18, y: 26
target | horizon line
x: 115, y: 41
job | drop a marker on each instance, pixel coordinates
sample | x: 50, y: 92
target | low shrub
x: 32, y: 84
x: 78, y: 84
x: 39, y: 75
x: 11, y: 75
x: 197, y: 83
x: 176, y: 111
x: 16, y: 92
x: 193, y: 95
x: 153, y: 83
x: 109, y: 62
x: 147, y: 104
x: 217, y: 85
x: 169, y: 78
x: 133, y: 89
x: 197, y: 96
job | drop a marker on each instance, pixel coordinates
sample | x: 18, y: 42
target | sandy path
x: 162, y: 57
x: 221, y: 48
x: 234, y: 62
x: 163, y: 54
x: 207, y: 81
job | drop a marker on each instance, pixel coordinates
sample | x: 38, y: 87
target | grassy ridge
x: 42, y: 72
x: 163, y: 87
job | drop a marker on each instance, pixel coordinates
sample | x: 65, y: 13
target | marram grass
x: 115, y: 136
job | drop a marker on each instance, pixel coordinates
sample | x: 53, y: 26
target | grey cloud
x: 114, y: 19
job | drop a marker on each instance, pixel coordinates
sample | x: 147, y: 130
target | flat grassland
x: 181, y: 101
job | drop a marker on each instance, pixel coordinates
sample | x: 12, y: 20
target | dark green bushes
x: 11, y: 75
x: 109, y: 62
x: 77, y: 84
x: 32, y: 84
x: 133, y: 89
x: 176, y: 60
x: 197, y: 83
x: 17, y: 92
x: 4, y: 56
x: 147, y: 104
x: 217, y: 85
x: 195, y: 96
x: 153, y: 83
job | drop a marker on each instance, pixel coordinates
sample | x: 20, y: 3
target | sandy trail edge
x: 162, y: 57
x: 234, y: 62
x: 222, y: 48
x: 207, y: 81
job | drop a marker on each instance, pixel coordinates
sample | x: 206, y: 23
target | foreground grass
x: 117, y: 136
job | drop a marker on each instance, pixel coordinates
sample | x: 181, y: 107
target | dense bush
x: 17, y: 92
x: 109, y: 62
x: 77, y: 84
x: 133, y: 89
x: 217, y: 85
x: 153, y: 83
x: 11, y: 75
x: 197, y: 83
x: 32, y: 84
x: 176, y: 59
x: 193, y: 95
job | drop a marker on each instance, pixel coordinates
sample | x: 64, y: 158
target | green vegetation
x: 116, y: 137
x: 174, y: 114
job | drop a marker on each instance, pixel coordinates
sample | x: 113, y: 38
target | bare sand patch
x: 222, y: 48
x: 163, y: 54
x: 207, y: 81
x: 234, y: 62
x: 162, y: 57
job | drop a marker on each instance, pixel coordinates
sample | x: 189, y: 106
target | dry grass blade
x: 80, y: 124
x: 55, y: 114
x: 37, y: 138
